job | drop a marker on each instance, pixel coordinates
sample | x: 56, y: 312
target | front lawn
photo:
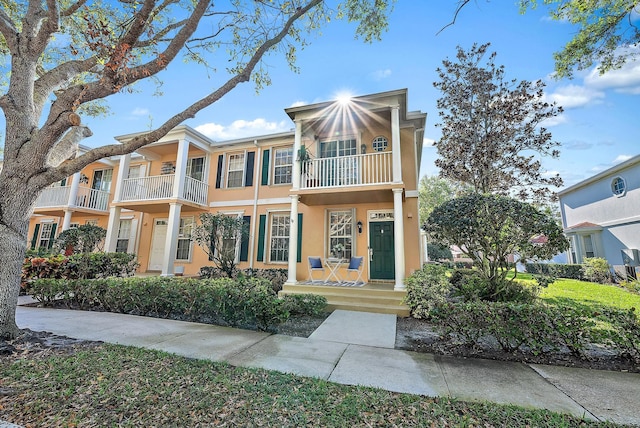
x: 589, y: 293
x: 121, y: 386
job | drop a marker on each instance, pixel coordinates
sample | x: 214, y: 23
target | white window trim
x: 228, y: 164
x: 327, y: 238
x: 240, y: 215
x: 624, y: 183
x: 270, y: 214
x: 187, y: 260
x: 272, y: 174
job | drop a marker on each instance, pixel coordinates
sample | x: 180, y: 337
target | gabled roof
x: 584, y: 226
x: 607, y: 172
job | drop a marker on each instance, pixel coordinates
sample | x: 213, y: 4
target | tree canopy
x: 492, y: 128
x: 489, y: 228
x: 63, y: 58
x: 433, y: 191
x: 608, y: 33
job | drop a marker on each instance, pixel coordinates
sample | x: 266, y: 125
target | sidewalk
x: 356, y: 348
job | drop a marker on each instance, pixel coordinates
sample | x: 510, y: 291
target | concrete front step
x: 355, y: 298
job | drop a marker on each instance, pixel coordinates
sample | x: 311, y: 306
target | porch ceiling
x: 159, y: 206
x: 345, y: 195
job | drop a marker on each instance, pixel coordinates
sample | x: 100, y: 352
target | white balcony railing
x: 345, y: 171
x: 86, y: 198
x: 161, y: 187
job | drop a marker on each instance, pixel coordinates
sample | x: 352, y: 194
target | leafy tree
x: 488, y: 228
x: 218, y: 235
x: 61, y: 59
x: 606, y: 33
x: 82, y: 239
x: 434, y: 191
x: 439, y: 252
x: 491, y: 128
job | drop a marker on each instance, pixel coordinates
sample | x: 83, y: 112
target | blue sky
x: 599, y: 128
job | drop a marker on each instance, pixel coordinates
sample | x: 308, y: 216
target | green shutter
x: 53, y: 235
x: 261, y: 231
x: 265, y: 167
x: 299, y: 255
x: 248, y: 177
x: 34, y: 239
x: 244, y: 244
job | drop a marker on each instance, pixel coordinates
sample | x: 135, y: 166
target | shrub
x: 597, y: 269
x: 78, y: 266
x: 471, y: 286
x: 538, y: 328
x: 560, y: 270
x: 245, y: 302
x: 631, y: 286
x: 426, y: 288
x: 305, y: 304
x: 439, y: 252
x: 277, y: 277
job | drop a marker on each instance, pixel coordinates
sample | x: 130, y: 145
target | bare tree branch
x: 461, y: 4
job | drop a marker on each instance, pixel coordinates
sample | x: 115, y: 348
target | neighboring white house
x: 601, y: 216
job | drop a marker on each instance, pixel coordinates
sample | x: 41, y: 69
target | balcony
x: 347, y: 179
x: 86, y: 199
x: 347, y: 171
x: 160, y: 188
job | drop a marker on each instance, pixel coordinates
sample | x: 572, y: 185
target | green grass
x: 121, y: 386
x: 589, y: 293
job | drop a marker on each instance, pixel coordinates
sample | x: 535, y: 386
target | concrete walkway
x: 356, y: 348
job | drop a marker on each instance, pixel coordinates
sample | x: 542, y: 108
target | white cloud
x: 298, y: 104
x: 578, y: 145
x: 554, y: 121
x: 625, y: 79
x: 140, y: 111
x: 621, y: 158
x: 573, y: 96
x: 381, y: 74
x: 548, y: 174
x: 242, y: 128
x: 428, y: 142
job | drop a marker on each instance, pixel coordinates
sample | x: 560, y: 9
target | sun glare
x: 343, y: 98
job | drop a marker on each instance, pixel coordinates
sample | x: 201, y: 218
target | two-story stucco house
x: 601, y: 216
x: 346, y: 174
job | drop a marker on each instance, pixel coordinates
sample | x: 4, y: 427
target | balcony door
x: 338, y: 167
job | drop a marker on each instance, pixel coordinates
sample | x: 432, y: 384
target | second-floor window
x: 235, y: 172
x: 331, y: 149
x: 282, y: 165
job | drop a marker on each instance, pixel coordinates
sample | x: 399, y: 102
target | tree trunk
x: 15, y: 210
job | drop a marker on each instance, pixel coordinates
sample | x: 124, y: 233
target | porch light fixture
x: 359, y: 226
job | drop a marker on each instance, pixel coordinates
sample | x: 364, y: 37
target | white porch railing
x: 54, y: 197
x: 92, y: 199
x: 86, y: 198
x: 195, y: 191
x: 161, y: 187
x: 345, y: 171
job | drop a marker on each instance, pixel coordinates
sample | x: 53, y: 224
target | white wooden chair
x: 315, y: 265
x: 356, y: 267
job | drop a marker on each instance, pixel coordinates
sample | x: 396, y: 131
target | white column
x: 66, y: 221
x: 181, y: 168
x: 112, y: 229
x: 398, y: 238
x: 171, y: 244
x: 424, y: 252
x: 297, y: 168
x: 123, y: 173
x: 293, y: 241
x: 71, y: 202
x: 396, y: 155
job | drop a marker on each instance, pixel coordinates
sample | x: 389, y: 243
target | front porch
x: 378, y: 297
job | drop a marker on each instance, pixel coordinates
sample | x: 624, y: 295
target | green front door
x: 382, y: 265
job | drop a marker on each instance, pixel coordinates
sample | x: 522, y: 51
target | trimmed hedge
x: 557, y: 269
x: 79, y: 266
x: 541, y: 328
x: 277, y: 277
x: 249, y: 303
